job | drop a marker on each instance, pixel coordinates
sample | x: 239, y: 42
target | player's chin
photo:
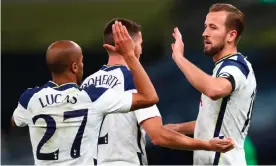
x: 208, y: 52
x: 206, y: 49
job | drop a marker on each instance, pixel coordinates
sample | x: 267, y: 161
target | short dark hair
x: 234, y: 20
x: 132, y: 27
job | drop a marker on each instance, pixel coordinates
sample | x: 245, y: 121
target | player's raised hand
x: 221, y: 145
x: 178, y: 45
x: 124, y: 44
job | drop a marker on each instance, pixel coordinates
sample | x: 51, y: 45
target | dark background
x: 28, y: 27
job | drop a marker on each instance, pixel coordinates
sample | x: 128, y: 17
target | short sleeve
x: 21, y: 116
x: 235, y: 72
x: 146, y: 113
x: 109, y: 100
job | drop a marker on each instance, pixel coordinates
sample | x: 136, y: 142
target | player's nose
x: 205, y: 33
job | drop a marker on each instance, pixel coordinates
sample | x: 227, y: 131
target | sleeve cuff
x: 230, y: 78
x: 127, y: 99
x: 146, y: 113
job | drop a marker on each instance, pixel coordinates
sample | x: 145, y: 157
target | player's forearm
x: 184, y: 128
x: 187, y: 128
x: 200, y: 80
x: 174, y: 140
x: 142, y: 82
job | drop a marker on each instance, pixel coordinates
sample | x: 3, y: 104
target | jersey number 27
x: 51, y: 128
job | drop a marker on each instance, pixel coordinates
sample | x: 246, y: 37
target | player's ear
x: 231, y: 36
x: 74, y: 67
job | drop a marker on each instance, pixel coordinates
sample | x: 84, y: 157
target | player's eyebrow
x: 210, y: 25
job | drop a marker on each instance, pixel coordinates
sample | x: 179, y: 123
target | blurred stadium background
x: 29, y: 26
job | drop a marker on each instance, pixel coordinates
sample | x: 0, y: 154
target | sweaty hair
x: 234, y: 20
x: 132, y: 27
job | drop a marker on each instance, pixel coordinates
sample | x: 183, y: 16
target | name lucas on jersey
x: 51, y: 99
x: 109, y: 80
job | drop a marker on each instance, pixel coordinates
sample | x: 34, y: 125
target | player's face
x: 138, y: 45
x: 215, y: 33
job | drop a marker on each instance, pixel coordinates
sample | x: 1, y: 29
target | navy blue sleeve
x: 240, y: 64
x: 26, y: 96
x: 94, y: 92
x: 128, y: 80
x: 230, y: 75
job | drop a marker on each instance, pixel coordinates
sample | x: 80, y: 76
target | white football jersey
x: 64, y: 121
x: 229, y: 116
x: 121, y: 140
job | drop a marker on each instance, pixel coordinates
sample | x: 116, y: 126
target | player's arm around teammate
x: 184, y: 128
x: 165, y: 137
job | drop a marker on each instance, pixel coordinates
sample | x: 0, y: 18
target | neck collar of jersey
x: 61, y: 87
x: 227, y: 57
x: 112, y: 67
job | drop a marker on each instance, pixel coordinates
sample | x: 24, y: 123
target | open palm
x: 123, y: 41
x: 178, y: 45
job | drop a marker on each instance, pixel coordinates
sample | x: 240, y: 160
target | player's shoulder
x: 93, y: 92
x: 108, y: 68
x: 120, y: 71
x: 27, y: 95
x: 128, y: 79
x: 122, y: 68
x: 127, y: 76
x: 233, y: 58
x: 236, y: 61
